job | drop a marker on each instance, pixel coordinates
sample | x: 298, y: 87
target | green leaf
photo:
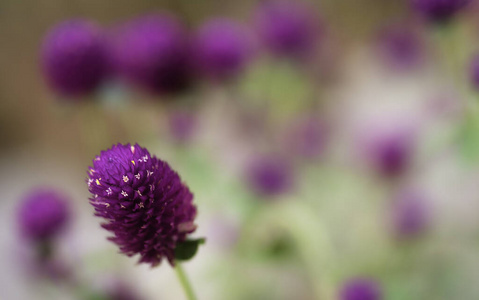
x: 186, y: 250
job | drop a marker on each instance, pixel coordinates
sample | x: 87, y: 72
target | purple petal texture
x: 143, y: 202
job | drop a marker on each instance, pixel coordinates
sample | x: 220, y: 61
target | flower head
x: 153, y: 52
x: 143, y: 201
x: 43, y: 213
x: 74, y: 57
x: 400, y: 45
x: 287, y: 27
x: 360, y: 289
x: 390, y: 150
x: 270, y: 176
x: 439, y: 10
x: 222, y: 48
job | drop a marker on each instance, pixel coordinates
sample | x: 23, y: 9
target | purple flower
x: 43, y: 213
x: 270, y: 176
x: 409, y: 214
x: 222, y: 48
x: 474, y: 71
x: 153, y: 52
x: 439, y: 10
x: 287, y: 27
x: 143, y: 201
x: 117, y: 289
x: 74, y: 57
x: 401, y: 46
x: 390, y: 151
x: 360, y: 289
x: 182, y: 125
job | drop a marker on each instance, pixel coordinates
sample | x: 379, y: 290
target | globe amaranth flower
x: 43, y: 213
x: 143, y: 201
x: 390, y: 151
x: 74, y: 57
x: 409, y: 214
x: 270, y: 176
x: 439, y: 11
x: 287, y: 27
x: 400, y: 45
x: 360, y: 289
x: 222, y: 47
x: 153, y: 53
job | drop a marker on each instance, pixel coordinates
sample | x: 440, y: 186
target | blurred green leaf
x: 187, y: 250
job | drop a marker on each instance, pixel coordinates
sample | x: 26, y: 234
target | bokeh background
x: 357, y: 161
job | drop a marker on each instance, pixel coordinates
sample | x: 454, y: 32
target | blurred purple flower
x: 390, y: 151
x: 270, y: 176
x: 145, y: 204
x: 43, y: 213
x: 439, y: 10
x: 409, y: 214
x: 287, y: 27
x: 182, y: 125
x: 74, y: 57
x: 222, y: 48
x: 360, y: 289
x: 153, y: 52
x: 308, y: 137
x: 474, y: 71
x: 401, y: 46
x: 117, y: 289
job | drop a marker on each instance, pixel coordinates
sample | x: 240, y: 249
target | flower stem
x: 190, y: 295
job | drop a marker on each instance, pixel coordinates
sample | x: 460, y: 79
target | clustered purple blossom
x: 287, y: 27
x: 222, y: 48
x: 153, y: 52
x: 439, y: 10
x: 360, y: 289
x: 74, y: 57
x: 270, y: 176
x: 401, y: 46
x: 390, y: 152
x: 146, y: 206
x: 44, y: 212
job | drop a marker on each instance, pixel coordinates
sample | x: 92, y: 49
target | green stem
x: 190, y: 295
